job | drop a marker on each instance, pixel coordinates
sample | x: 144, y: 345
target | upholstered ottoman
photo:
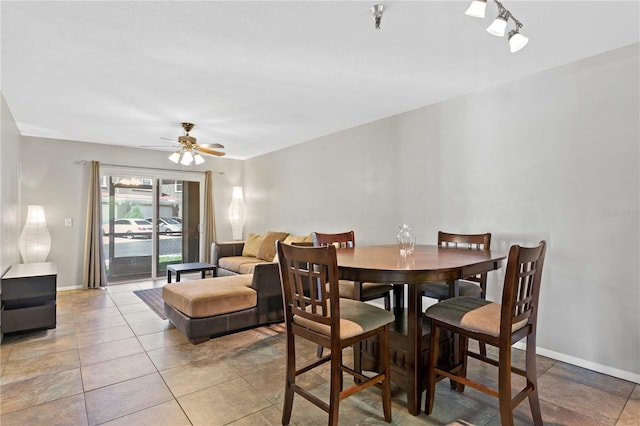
x: 209, y: 307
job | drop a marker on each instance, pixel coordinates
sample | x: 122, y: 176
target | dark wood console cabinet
x: 29, y: 297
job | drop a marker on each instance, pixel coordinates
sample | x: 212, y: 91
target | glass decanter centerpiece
x: 406, y: 240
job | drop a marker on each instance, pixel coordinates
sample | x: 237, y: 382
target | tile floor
x: 112, y: 361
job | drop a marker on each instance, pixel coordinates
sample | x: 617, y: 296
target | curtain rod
x: 83, y: 162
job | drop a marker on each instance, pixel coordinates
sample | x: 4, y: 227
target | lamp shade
x: 477, y: 8
x: 187, y: 158
x: 237, y: 213
x: 175, y: 157
x: 498, y: 27
x: 35, y: 241
x: 517, y: 41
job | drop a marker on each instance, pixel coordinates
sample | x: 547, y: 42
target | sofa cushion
x: 295, y: 239
x: 268, y: 247
x: 252, y: 244
x: 234, y: 263
x: 211, y: 296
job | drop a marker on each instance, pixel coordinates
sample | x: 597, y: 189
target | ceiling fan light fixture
x: 477, y: 9
x: 377, y: 11
x: 198, y: 158
x: 175, y: 157
x: 187, y: 158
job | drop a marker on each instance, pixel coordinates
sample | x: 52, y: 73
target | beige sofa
x: 245, y: 293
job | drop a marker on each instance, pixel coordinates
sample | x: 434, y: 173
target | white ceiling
x: 260, y: 76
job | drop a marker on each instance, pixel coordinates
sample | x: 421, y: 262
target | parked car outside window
x: 130, y: 228
x: 167, y: 225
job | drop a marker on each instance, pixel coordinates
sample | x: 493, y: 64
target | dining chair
x: 475, y: 286
x: 315, y: 312
x: 499, y: 325
x: 369, y: 291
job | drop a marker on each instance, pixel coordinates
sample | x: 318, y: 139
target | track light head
x: 516, y: 40
x: 377, y: 11
x: 499, y: 25
x: 477, y: 8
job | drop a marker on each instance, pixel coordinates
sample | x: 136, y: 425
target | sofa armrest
x: 219, y: 250
x: 266, y: 281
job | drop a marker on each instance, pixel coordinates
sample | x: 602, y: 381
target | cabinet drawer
x: 29, y: 318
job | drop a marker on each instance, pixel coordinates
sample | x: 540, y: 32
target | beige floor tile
x: 109, y: 350
x: 97, y: 314
x: 104, y: 335
x: 38, y: 366
x: 631, y: 413
x: 603, y: 382
x: 124, y: 298
x: 270, y: 416
x: 99, y: 323
x: 162, y: 339
x: 43, y: 347
x: 258, y: 355
x: 121, y: 399
x: 150, y: 326
x: 116, y: 370
x: 174, y: 356
x: 591, y: 402
x: 122, y: 288
x: 134, y: 307
x: 135, y: 317
x: 223, y: 403
x: 166, y: 414
x: 18, y: 395
x: 197, y: 375
x: 62, y: 412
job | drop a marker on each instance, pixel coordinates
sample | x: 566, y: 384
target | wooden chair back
x: 340, y: 240
x: 472, y: 242
x: 305, y: 272
x: 521, y: 290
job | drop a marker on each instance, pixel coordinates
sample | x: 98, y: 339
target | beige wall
x: 53, y: 175
x: 10, y: 192
x: 553, y: 156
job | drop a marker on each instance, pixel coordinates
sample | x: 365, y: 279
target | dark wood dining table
x: 428, y: 263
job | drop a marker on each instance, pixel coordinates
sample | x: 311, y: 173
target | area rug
x: 153, y: 298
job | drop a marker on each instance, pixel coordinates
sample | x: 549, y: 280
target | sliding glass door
x: 149, y: 222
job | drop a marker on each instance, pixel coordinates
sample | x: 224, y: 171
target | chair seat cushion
x: 355, y: 318
x: 440, y: 291
x: 211, y: 296
x: 470, y: 313
x: 368, y: 289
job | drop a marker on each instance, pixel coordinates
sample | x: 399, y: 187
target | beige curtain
x: 93, y: 271
x: 209, y: 216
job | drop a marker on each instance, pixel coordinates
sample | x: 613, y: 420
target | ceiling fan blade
x: 167, y: 139
x: 211, y: 145
x: 210, y: 151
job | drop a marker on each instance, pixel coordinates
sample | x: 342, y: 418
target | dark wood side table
x: 178, y: 268
x: 29, y: 297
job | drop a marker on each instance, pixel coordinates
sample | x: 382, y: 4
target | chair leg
x: 335, y: 387
x: 504, y: 385
x: 431, y: 367
x: 386, y: 367
x: 483, y: 348
x: 387, y: 301
x: 532, y: 377
x: 290, y: 379
x: 463, y: 347
x: 319, y: 351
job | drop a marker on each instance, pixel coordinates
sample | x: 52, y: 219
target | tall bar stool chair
x: 475, y: 286
x: 499, y: 325
x: 369, y: 291
x: 314, y: 311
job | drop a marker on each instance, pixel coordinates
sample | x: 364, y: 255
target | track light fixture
x: 377, y: 11
x: 499, y: 26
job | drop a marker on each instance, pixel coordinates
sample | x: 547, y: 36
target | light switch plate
x: 68, y: 221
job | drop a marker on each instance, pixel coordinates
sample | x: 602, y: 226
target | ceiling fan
x: 189, y: 151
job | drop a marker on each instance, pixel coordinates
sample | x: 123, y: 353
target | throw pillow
x: 268, y: 247
x: 295, y: 239
x: 252, y: 244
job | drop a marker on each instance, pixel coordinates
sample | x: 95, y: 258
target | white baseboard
x: 610, y: 371
x: 75, y: 287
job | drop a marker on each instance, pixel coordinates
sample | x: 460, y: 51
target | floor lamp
x: 35, y: 241
x: 237, y: 213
